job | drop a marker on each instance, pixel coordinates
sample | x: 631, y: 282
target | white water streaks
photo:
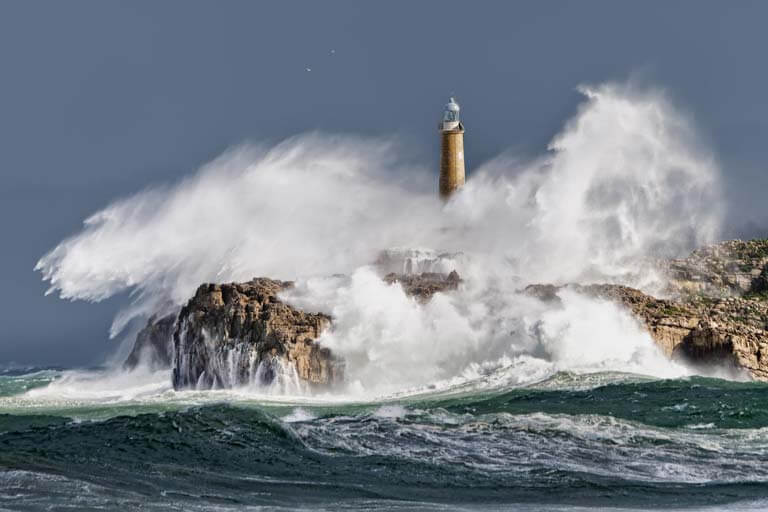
x: 625, y: 179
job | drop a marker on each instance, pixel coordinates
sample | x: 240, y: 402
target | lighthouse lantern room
x: 451, y: 151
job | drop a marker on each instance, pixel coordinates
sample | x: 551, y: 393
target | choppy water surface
x: 569, y: 442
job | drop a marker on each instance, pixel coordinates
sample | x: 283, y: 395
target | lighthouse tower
x: 451, y: 151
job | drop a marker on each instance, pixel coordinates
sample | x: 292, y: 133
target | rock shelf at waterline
x: 229, y: 335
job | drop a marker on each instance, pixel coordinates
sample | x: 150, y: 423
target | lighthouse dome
x: 451, y: 115
x: 451, y: 110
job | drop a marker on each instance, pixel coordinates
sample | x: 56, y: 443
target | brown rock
x: 233, y: 334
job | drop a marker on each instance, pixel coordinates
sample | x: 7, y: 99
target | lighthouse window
x: 449, y: 116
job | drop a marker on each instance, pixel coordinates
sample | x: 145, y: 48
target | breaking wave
x: 570, y: 442
x: 623, y: 181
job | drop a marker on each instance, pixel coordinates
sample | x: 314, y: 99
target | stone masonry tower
x: 451, y: 151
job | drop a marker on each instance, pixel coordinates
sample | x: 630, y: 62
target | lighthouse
x: 451, y: 151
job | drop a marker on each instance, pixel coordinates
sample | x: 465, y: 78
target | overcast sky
x: 100, y: 99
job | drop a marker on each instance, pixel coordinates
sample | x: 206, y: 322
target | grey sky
x: 100, y: 99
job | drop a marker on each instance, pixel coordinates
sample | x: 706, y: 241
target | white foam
x: 390, y: 411
x: 624, y: 179
x: 104, y: 386
x: 298, y: 414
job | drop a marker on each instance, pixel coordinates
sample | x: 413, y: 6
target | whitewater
x: 482, y: 399
x: 624, y: 181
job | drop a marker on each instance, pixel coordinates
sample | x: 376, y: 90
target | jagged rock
x: 702, y: 330
x: 237, y: 333
x: 154, y: 344
x: 423, y: 286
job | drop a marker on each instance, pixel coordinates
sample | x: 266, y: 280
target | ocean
x: 96, y: 440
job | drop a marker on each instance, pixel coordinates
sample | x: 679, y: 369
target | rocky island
x: 715, y: 312
x: 239, y: 333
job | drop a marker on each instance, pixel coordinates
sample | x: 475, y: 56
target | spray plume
x: 624, y: 180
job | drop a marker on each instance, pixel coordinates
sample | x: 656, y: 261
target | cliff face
x: 239, y: 333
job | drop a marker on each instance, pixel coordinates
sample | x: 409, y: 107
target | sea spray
x: 624, y: 180
x: 232, y: 365
x: 391, y: 341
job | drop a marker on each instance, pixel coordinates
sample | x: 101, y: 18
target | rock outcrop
x: 726, y: 269
x: 240, y: 333
x: 729, y: 331
x: 154, y: 344
x: 423, y: 286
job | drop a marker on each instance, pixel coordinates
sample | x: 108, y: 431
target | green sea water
x: 570, y: 442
